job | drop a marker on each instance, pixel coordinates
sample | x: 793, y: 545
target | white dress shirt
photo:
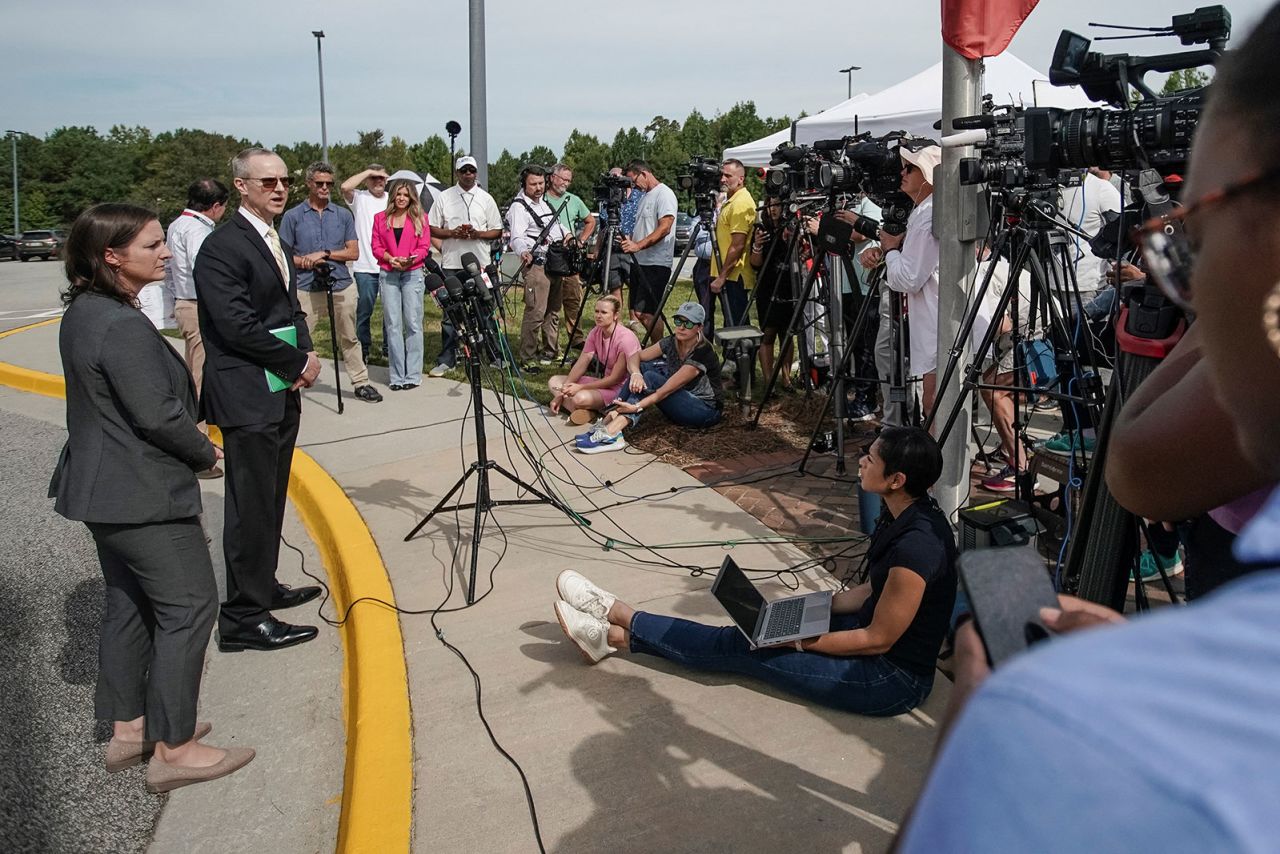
x: 525, y: 229
x: 913, y: 271
x: 456, y: 207
x: 186, y: 234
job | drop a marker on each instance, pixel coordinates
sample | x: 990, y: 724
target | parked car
x: 684, y: 226
x: 40, y: 244
x: 9, y: 247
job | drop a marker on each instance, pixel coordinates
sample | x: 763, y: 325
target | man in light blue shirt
x: 1093, y: 743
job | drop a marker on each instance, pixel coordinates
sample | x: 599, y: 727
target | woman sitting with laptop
x: 878, y: 656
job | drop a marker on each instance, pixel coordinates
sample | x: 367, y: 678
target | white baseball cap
x: 465, y: 160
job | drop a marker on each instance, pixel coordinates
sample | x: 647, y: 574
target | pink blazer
x: 384, y: 241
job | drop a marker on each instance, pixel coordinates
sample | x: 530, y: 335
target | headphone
x: 531, y: 169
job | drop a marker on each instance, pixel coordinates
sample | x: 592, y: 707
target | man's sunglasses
x: 470, y: 169
x: 323, y: 183
x: 270, y: 183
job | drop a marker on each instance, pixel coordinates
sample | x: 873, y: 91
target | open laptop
x: 781, y: 621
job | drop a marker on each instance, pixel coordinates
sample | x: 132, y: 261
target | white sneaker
x: 438, y: 371
x: 591, y: 634
x: 582, y: 595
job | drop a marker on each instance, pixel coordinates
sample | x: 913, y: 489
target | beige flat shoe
x: 126, y: 754
x: 163, y: 777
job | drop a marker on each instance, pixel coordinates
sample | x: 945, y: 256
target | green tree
x: 628, y: 145
x: 504, y: 177
x: 432, y: 155
x: 1187, y: 78
x: 589, y: 159
x: 698, y: 137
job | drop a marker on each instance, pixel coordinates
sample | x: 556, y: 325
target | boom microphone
x: 471, y: 264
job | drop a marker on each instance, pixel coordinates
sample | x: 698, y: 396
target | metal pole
x: 956, y: 224
x: 13, y: 136
x: 324, y: 132
x: 848, y: 73
x: 479, y: 110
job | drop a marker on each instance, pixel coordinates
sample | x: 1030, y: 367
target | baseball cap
x: 465, y: 160
x: 926, y: 159
x: 691, y: 311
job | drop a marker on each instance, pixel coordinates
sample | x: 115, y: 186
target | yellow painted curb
x: 377, y: 792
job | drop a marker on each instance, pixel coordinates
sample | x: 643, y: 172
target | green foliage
x: 1188, y: 78
x: 75, y: 167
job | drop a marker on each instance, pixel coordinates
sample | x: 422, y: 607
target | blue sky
x: 249, y: 69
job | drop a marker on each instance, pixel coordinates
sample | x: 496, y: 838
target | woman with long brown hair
x: 128, y: 472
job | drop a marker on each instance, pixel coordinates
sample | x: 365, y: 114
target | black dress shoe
x: 268, y: 635
x: 291, y: 597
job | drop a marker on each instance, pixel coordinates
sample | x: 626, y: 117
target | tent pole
x: 956, y: 223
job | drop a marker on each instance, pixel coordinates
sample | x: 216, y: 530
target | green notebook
x: 289, y: 335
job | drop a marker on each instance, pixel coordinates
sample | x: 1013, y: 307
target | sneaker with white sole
x: 438, y: 371
x: 600, y: 442
x: 575, y: 589
x: 590, y: 634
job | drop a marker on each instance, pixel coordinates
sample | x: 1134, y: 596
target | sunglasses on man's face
x: 467, y: 170
x: 270, y: 183
x: 323, y: 183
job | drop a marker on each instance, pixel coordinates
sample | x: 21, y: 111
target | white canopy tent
x: 757, y: 153
x: 913, y: 106
x: 916, y: 103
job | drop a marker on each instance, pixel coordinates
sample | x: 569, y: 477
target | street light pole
x: 848, y: 73
x: 324, y: 133
x: 13, y: 136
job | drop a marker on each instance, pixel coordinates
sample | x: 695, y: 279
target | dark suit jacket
x: 133, y: 446
x: 241, y: 295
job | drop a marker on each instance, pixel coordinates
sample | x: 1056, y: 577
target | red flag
x: 978, y: 28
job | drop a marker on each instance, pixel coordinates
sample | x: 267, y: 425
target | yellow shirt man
x: 737, y: 216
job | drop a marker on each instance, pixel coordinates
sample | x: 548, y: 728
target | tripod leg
x: 777, y: 368
x: 440, y: 505
x: 542, y: 496
x: 333, y: 333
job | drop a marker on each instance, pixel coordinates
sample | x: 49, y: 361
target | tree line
x: 72, y: 168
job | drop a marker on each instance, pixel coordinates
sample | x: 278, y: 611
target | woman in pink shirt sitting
x: 609, y: 343
x: 401, y: 242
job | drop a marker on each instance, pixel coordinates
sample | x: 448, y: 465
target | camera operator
x: 574, y: 215
x: 464, y: 219
x: 775, y: 303
x: 323, y: 237
x: 731, y: 271
x: 653, y: 245
x: 1048, y: 740
x: 911, y: 265
x: 527, y: 220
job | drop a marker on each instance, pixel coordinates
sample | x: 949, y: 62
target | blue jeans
x: 680, y: 408
x: 367, y: 285
x: 863, y: 684
x: 402, y: 293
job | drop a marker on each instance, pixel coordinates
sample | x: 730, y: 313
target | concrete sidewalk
x: 631, y: 752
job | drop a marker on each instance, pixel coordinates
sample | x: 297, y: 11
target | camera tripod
x: 322, y: 276
x: 612, y: 239
x: 1037, y: 244
x: 484, y: 501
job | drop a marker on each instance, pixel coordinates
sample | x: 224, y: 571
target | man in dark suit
x: 247, y: 290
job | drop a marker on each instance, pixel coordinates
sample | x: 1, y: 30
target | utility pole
x: 479, y: 109
x: 848, y: 73
x: 324, y: 133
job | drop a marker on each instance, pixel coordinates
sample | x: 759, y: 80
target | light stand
x: 324, y: 133
x: 467, y: 321
x: 322, y: 276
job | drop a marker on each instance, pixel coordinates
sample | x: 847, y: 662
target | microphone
x: 968, y: 137
x: 471, y: 264
x: 455, y: 307
x: 433, y: 282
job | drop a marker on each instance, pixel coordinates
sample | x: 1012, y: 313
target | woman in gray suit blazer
x: 128, y: 472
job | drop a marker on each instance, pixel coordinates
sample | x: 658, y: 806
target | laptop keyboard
x: 784, y: 619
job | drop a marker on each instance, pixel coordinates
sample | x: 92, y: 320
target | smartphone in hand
x: 1007, y: 587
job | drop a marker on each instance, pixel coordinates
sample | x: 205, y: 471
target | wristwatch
x: 326, y: 254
